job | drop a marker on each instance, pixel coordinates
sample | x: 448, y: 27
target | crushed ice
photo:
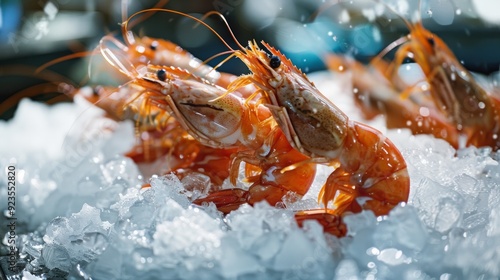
x: 82, y: 213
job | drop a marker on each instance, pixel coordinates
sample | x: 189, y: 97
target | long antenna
x: 129, y: 39
x: 125, y: 24
x: 221, y: 16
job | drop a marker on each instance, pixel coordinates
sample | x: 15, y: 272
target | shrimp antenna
x: 128, y: 39
x: 33, y: 91
x: 220, y: 63
x: 223, y: 18
x: 399, y: 41
x: 390, y: 47
x: 125, y: 24
x: 53, y: 85
x: 114, y: 60
x: 64, y: 58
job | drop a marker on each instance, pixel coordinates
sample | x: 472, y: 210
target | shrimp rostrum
x: 370, y: 172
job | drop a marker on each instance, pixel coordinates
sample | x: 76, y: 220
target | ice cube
x: 347, y: 269
x: 359, y: 222
x: 249, y: 223
x: 72, y: 240
x: 295, y: 252
x: 56, y: 256
x: 265, y: 247
x: 191, y: 233
x: 432, y: 198
x: 236, y: 261
x: 403, y: 227
x: 448, y: 215
x: 169, y: 186
x: 196, y: 185
x: 494, y: 222
x: 108, y: 265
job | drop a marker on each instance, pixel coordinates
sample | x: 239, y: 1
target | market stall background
x: 35, y: 32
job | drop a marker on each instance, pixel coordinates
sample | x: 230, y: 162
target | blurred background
x: 35, y: 32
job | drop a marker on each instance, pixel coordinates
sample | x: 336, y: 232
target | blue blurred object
x: 366, y: 40
x: 10, y: 18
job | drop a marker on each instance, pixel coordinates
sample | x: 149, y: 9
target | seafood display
x: 182, y: 169
x: 319, y: 130
x: 367, y: 165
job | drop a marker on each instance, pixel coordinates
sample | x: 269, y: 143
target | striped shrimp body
x: 159, y: 135
x: 141, y: 51
x: 375, y: 95
x: 370, y: 172
x: 225, y: 121
x: 453, y: 89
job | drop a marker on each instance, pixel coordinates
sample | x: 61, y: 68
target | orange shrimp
x: 230, y: 122
x: 453, y: 89
x: 145, y: 50
x: 375, y: 95
x: 370, y: 172
x: 160, y: 136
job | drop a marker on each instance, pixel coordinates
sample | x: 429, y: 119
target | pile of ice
x: 81, y: 213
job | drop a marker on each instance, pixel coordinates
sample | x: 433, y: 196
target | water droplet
x: 335, y: 38
x: 481, y: 105
x: 330, y: 33
x: 424, y: 111
x: 458, y: 12
x: 429, y: 12
x: 372, y: 251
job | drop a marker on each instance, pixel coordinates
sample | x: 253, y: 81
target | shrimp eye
x: 153, y: 45
x: 431, y: 41
x: 96, y: 91
x: 274, y: 62
x: 161, y: 75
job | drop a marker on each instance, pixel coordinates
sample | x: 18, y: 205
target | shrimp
x: 160, y: 135
x: 224, y: 121
x: 145, y: 50
x: 375, y: 95
x: 370, y: 172
x: 453, y: 89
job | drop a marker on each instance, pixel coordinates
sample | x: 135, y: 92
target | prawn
x: 374, y: 95
x: 452, y: 88
x: 370, y: 172
x: 220, y: 120
x: 146, y: 50
x: 160, y: 135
